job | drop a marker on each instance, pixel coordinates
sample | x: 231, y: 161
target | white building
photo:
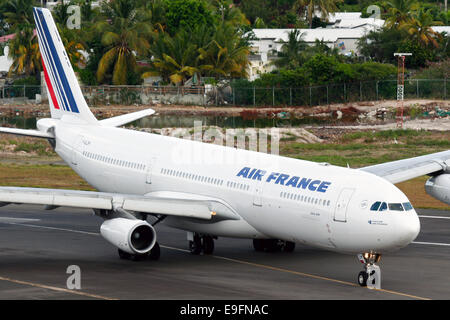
x: 5, y: 61
x: 441, y: 29
x: 270, y: 41
x: 342, y: 32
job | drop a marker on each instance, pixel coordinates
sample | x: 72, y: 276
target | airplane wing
x: 126, y: 118
x: 406, y: 169
x: 200, y: 208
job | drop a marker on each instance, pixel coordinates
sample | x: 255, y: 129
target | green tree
x: 421, y: 55
x: 73, y: 44
x: 24, y: 51
x: 399, y: 12
x: 420, y: 28
x: 291, y: 54
x: 18, y: 14
x: 187, y: 14
x: 227, y: 53
x: 311, y: 7
x: 124, y: 38
x: 174, y: 58
x: 381, y: 45
x: 60, y: 13
x: 226, y: 11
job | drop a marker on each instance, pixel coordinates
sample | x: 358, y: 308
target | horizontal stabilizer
x: 126, y: 118
x: 27, y: 132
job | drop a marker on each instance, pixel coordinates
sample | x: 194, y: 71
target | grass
x: 415, y: 191
x: 41, y: 176
x: 383, y: 135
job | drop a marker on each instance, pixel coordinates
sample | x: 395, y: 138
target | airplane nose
x: 409, y: 229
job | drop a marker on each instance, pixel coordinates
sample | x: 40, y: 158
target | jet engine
x: 131, y: 236
x: 439, y: 187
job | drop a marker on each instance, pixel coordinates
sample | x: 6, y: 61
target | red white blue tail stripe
x: 63, y: 88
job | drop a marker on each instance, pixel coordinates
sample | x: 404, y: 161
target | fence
x: 252, y: 96
x: 338, y: 93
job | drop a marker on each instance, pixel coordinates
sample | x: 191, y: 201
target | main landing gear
x: 153, y: 254
x: 200, y: 243
x: 273, y: 245
x: 370, y: 277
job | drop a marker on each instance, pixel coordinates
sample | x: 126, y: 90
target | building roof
x: 369, y: 23
x: 332, y: 17
x: 441, y: 29
x: 310, y: 35
x: 7, y: 37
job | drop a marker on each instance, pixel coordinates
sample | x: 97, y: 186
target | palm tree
x: 124, y: 37
x: 73, y: 44
x: 60, y: 13
x: 420, y: 28
x: 228, y: 12
x: 399, y: 12
x: 227, y: 53
x: 24, y: 51
x: 325, y: 7
x: 18, y: 14
x: 157, y: 12
x: 177, y: 58
x: 290, y: 55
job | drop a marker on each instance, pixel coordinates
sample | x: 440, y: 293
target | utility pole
x: 400, y: 86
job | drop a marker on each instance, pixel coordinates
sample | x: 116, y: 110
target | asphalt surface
x: 37, y: 247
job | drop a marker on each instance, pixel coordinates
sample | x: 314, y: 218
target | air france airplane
x: 274, y: 200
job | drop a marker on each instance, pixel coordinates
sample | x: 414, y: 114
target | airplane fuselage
x: 276, y: 197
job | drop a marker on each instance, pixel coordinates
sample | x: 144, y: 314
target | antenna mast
x: 400, y: 86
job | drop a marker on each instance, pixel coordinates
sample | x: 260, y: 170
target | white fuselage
x: 332, y: 211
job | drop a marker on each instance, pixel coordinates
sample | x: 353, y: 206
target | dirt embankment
x: 334, y: 110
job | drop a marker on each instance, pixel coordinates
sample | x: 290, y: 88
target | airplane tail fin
x: 64, y: 92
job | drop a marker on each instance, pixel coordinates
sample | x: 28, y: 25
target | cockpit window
x: 395, y: 207
x: 407, y: 206
x: 375, y: 206
x: 383, y: 207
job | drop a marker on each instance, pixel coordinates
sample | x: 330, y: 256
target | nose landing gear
x: 370, y: 277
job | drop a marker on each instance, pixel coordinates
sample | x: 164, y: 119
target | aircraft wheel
x: 362, y: 278
x: 271, y: 245
x: 289, y: 246
x: 208, y: 245
x: 258, y: 244
x: 195, y: 247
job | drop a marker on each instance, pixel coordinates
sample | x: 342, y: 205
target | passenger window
x: 395, y: 207
x: 383, y: 207
x: 375, y: 206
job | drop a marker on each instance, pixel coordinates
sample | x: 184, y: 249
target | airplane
x: 275, y: 201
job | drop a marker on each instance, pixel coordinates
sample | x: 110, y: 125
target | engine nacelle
x: 439, y: 187
x: 132, y: 236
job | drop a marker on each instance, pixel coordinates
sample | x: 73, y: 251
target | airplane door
x: 257, y: 196
x: 150, y: 167
x: 77, y: 147
x: 340, y: 211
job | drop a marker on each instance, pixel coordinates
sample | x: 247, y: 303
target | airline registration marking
x: 284, y: 179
